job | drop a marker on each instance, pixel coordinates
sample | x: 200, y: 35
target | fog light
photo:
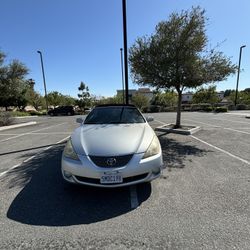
x: 156, y: 172
x: 67, y: 174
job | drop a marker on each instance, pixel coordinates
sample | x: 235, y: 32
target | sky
x: 81, y: 39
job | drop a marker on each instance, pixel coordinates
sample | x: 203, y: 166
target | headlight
x: 69, y: 151
x: 153, y: 149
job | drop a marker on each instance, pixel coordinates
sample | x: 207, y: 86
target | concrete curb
x: 177, y: 131
x: 28, y: 116
x: 17, y: 125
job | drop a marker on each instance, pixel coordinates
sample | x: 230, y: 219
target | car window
x: 111, y: 115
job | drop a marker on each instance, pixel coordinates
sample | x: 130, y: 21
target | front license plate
x: 111, y: 179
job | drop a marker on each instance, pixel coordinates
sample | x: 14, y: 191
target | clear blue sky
x: 81, y: 39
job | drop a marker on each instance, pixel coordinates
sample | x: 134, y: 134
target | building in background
x: 220, y: 95
x: 141, y: 91
x: 187, y: 97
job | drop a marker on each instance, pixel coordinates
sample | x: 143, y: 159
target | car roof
x: 116, y: 105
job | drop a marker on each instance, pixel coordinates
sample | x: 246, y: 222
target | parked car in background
x: 62, y: 110
x: 115, y: 146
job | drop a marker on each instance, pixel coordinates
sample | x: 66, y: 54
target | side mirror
x: 79, y: 120
x: 150, y: 118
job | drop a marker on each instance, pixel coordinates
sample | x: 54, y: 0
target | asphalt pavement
x: 201, y: 201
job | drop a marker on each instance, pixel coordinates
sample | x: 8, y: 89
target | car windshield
x: 114, y: 115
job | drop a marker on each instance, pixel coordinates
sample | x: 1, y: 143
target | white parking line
x: 161, y: 122
x: 239, y: 131
x: 221, y: 150
x: 133, y: 197
x: 13, y: 137
x: 231, y: 121
x: 50, y: 133
x: 210, y: 125
x: 33, y: 156
x: 9, y: 134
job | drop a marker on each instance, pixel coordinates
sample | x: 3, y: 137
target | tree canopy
x: 13, y: 84
x: 206, y: 95
x: 176, y: 56
x: 84, y: 96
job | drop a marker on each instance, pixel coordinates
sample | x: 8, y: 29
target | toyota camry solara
x: 113, y: 147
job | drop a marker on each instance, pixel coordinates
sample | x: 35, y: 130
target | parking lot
x: 201, y: 201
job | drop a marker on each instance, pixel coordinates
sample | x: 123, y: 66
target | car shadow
x: 45, y: 199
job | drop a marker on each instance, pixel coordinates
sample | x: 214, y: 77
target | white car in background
x: 113, y: 147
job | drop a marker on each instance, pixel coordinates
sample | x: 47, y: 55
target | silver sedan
x: 113, y: 147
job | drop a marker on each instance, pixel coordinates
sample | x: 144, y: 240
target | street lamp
x: 123, y: 97
x: 238, y: 76
x: 46, y: 99
x: 125, y: 48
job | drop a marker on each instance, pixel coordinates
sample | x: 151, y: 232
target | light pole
x: 238, y: 76
x: 123, y: 96
x: 125, y: 48
x: 44, y: 82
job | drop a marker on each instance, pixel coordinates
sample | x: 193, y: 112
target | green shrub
x: 195, y: 107
x: 231, y: 107
x: 241, y: 107
x: 168, y: 109
x: 186, y: 107
x: 33, y: 112
x: 154, y: 109
x: 208, y: 109
x: 42, y: 113
x: 220, y: 109
x: 19, y: 113
x: 144, y: 109
x: 6, y: 118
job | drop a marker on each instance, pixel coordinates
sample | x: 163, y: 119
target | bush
x: 154, y: 109
x: 33, y: 112
x: 169, y: 109
x: 19, y: 113
x: 241, y: 107
x: 208, y: 109
x: 6, y: 118
x: 231, y: 107
x: 186, y: 107
x: 144, y: 109
x: 220, y: 109
x: 195, y: 107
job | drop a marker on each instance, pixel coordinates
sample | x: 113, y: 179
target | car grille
x: 111, y: 161
x: 125, y: 180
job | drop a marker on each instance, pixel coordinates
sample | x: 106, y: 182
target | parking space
x: 20, y: 144
x: 201, y: 201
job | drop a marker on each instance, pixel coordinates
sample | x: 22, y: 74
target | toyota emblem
x: 111, y: 161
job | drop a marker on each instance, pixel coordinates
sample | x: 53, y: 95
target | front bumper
x: 138, y: 170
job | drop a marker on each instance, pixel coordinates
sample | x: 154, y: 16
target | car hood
x: 112, y: 139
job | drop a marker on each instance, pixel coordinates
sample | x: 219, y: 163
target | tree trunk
x: 178, y: 117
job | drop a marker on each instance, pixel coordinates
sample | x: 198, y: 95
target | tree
x: 12, y: 83
x: 55, y: 98
x: 68, y: 100
x: 166, y: 99
x: 84, y: 96
x: 176, y: 56
x: 140, y: 100
x: 206, y: 95
x: 35, y: 99
x: 227, y: 92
